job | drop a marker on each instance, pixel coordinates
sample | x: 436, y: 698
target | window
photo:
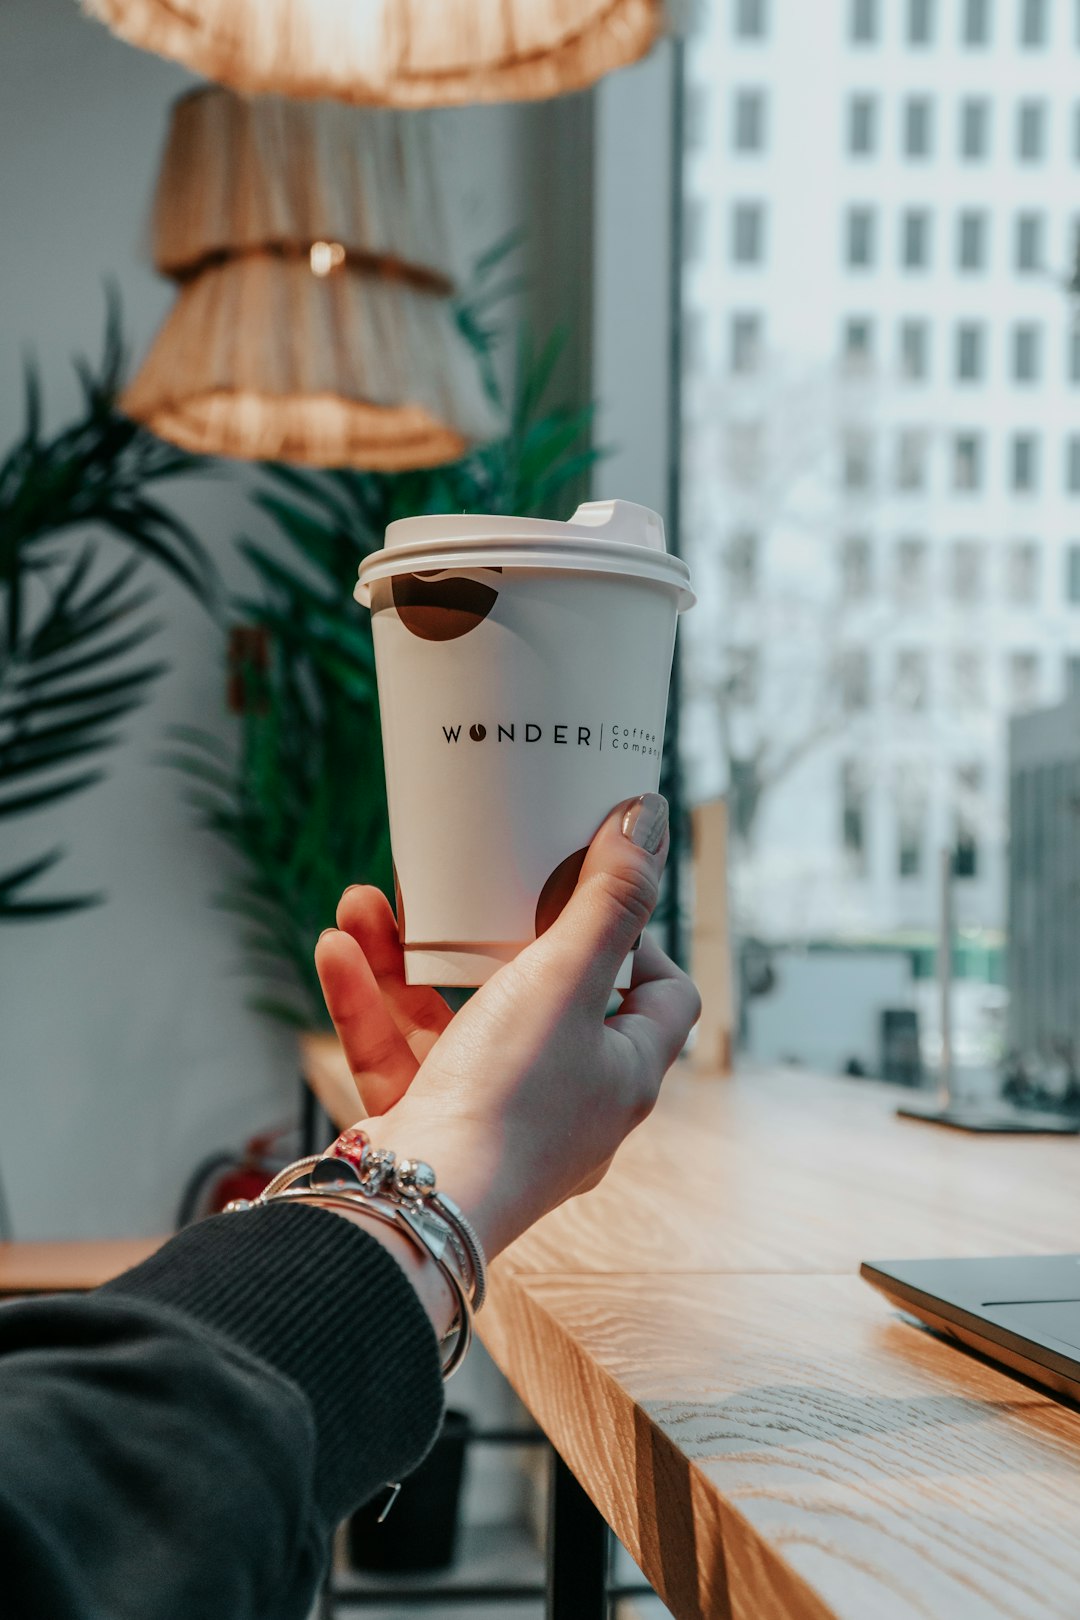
x: 918, y: 126
x: 858, y: 344
x: 745, y: 342
x: 912, y: 680
x: 1072, y: 573
x: 860, y: 237
x: 966, y: 572
x: 1032, y: 22
x: 1031, y: 131
x: 853, y: 838
x: 854, y: 673
x: 742, y: 564
x: 696, y: 116
x: 915, y: 239
x: 750, y: 19
x: 745, y: 453
x: 1026, y: 352
x: 920, y: 22
x: 743, y: 676
x: 911, y: 570
x: 693, y: 229
x: 974, y: 128
x: 968, y: 678
x: 914, y: 350
x: 856, y: 568
x: 862, y: 125
x: 970, y: 345
x: 1074, y: 355
x: 1029, y: 242
x: 910, y: 823
x: 971, y: 240
x: 1023, y: 680
x: 748, y: 233
x: 1024, y: 463
x: 976, y: 22
x: 748, y: 123
x: 1072, y: 464
x: 967, y: 814
x: 1022, y: 574
x: 967, y: 461
x: 864, y: 22
x: 1076, y: 128
x: 1072, y: 676
x: 911, y: 459
x: 858, y: 460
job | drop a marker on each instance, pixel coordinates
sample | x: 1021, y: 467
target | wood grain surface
x: 767, y: 1436
x: 45, y: 1268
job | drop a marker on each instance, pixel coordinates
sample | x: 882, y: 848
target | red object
x: 352, y: 1146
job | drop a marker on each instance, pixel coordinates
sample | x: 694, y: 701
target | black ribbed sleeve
x: 182, y: 1442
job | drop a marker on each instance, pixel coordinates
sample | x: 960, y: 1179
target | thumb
x: 615, y: 896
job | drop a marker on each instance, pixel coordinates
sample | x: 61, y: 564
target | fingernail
x: 646, y: 822
x: 327, y: 931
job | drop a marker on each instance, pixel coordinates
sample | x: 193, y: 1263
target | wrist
x: 468, y: 1160
x: 432, y: 1288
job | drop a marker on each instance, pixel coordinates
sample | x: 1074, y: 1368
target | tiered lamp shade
x: 314, y: 320
x: 394, y: 53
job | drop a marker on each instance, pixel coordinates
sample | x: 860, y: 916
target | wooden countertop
x: 764, y: 1432
x: 69, y: 1267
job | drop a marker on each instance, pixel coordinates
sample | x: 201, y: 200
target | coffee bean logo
x: 478, y: 733
x: 558, y: 889
x: 435, y: 606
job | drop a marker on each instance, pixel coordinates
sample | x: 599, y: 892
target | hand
x: 521, y: 1098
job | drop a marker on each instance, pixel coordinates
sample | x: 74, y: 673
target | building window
x: 920, y: 22
x: 976, y: 22
x: 911, y: 570
x: 1023, y: 680
x: 1022, y: 574
x: 745, y: 342
x: 967, y: 461
x: 856, y: 568
x: 914, y: 350
x: 742, y: 565
x: 974, y: 128
x: 693, y: 245
x: 910, y: 824
x: 1076, y: 126
x: 1026, y: 352
x: 911, y: 448
x: 696, y: 116
x: 854, y: 673
x: 1072, y: 574
x: 1024, y: 463
x: 750, y: 19
x: 918, y: 126
x: 968, y: 805
x: 968, y: 678
x: 745, y: 442
x: 1032, y: 23
x: 743, y: 679
x: 915, y: 239
x: 912, y: 680
x: 858, y: 460
x: 1031, y: 131
x: 858, y: 344
x: 970, y: 347
x: 853, y: 839
x: 1072, y: 676
x: 864, y: 22
x: 748, y: 121
x: 860, y: 237
x: 748, y: 233
x: 971, y: 240
x: 1029, y: 242
x: 1074, y: 355
x: 862, y: 125
x: 1072, y: 464
x: 966, y: 572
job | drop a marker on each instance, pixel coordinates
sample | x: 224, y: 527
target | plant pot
x: 420, y: 1531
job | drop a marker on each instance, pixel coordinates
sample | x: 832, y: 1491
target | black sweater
x: 180, y: 1444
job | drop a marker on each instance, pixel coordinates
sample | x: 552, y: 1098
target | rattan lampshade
x: 313, y: 320
x: 394, y: 53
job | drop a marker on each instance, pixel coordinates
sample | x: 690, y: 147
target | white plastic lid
x: 602, y: 537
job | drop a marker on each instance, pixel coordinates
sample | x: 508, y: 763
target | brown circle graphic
x: 434, y: 607
x: 558, y: 889
x: 478, y: 732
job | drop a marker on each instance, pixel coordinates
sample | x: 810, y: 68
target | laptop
x: 1022, y: 1312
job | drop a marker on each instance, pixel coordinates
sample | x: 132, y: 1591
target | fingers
x: 378, y: 1055
x: 419, y: 1012
x: 657, y: 1014
x: 615, y: 896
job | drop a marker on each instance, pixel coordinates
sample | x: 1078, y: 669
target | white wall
x: 126, y: 1050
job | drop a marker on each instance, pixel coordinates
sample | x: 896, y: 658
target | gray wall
x: 126, y: 1050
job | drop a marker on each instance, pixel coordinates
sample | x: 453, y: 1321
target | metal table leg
x: 578, y: 1548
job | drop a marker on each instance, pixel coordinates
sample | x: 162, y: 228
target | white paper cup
x: 523, y: 672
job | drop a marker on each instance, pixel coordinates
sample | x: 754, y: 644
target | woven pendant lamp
x: 313, y: 321
x: 393, y: 53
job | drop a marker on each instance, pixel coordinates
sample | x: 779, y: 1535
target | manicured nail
x: 327, y: 931
x: 646, y: 822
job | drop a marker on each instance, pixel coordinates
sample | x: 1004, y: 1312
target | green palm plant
x: 71, y: 626
x: 299, y: 796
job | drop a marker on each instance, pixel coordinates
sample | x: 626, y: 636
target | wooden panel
x: 45, y: 1268
x: 779, y: 1447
